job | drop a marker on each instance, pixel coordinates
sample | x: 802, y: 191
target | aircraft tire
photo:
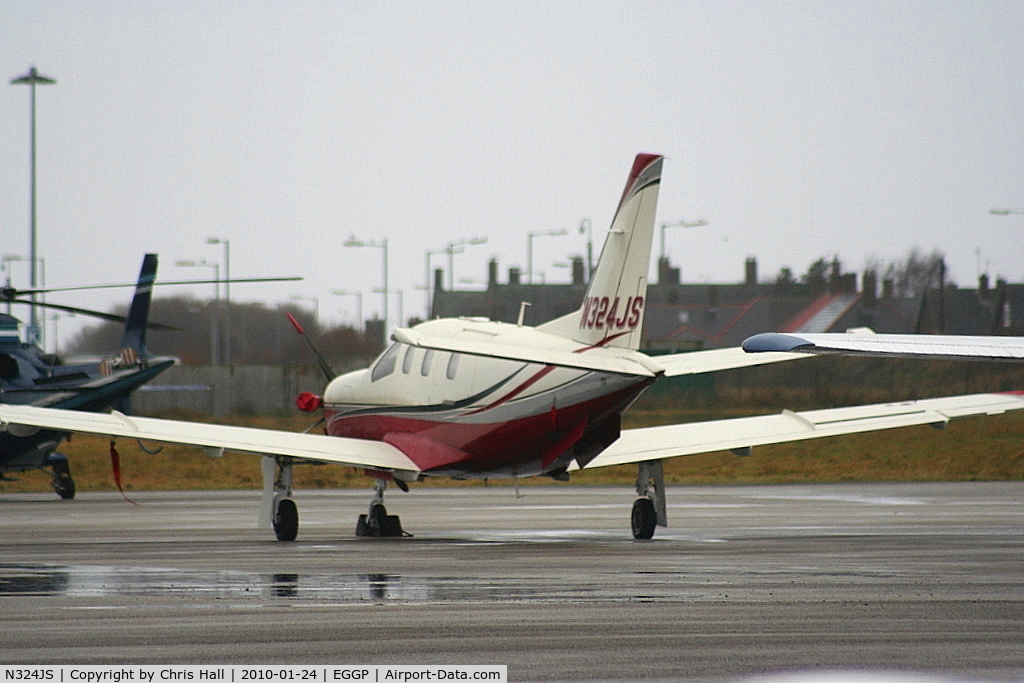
x: 643, y: 519
x: 63, y: 483
x: 286, y: 520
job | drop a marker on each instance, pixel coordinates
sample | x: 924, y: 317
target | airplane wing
x: 320, y: 447
x: 950, y: 347
x: 740, y: 434
x: 712, y: 360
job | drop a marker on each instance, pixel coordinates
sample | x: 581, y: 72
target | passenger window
x: 407, y: 360
x: 385, y: 365
x: 453, y: 366
x: 428, y: 357
x: 8, y: 367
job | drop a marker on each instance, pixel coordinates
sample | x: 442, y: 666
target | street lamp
x: 214, y: 331
x: 401, y: 301
x: 359, y: 303
x: 383, y: 246
x: 587, y: 227
x: 227, y: 294
x: 316, y: 306
x: 529, y: 246
x: 460, y: 245
x: 32, y: 79
x: 678, y: 224
x: 430, y: 280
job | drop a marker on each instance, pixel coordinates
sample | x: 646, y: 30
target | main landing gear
x: 62, y: 482
x: 649, y: 508
x: 279, y: 510
x: 377, y: 522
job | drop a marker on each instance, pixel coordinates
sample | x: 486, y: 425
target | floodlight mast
x: 383, y: 246
x: 32, y: 79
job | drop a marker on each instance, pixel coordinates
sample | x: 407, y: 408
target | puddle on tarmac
x: 99, y: 581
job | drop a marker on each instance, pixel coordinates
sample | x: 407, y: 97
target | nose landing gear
x: 377, y: 522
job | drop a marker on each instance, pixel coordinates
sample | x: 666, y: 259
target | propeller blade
x: 324, y: 367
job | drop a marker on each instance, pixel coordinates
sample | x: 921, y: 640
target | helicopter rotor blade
x: 112, y: 317
x: 10, y: 293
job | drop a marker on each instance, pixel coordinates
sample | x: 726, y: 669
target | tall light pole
x: 678, y: 224
x: 214, y: 327
x: 32, y: 79
x: 316, y: 306
x: 359, y: 304
x: 587, y: 227
x: 430, y: 280
x: 401, y: 302
x: 529, y: 246
x: 227, y: 294
x: 383, y: 246
x: 451, y: 247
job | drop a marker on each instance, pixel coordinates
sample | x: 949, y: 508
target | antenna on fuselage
x: 523, y: 305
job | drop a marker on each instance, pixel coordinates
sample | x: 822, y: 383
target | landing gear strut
x: 278, y: 507
x: 649, y: 508
x: 377, y: 522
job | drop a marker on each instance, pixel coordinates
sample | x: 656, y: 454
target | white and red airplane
x: 470, y: 398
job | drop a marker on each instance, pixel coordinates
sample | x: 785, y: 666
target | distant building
x: 703, y: 316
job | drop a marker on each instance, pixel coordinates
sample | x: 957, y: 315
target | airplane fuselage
x: 471, y: 416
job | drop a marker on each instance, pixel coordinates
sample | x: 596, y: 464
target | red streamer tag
x: 115, y: 464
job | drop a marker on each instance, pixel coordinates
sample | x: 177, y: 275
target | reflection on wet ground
x: 82, y: 581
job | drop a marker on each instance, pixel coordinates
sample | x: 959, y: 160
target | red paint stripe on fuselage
x: 488, y: 446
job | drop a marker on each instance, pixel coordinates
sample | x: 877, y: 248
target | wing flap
x: 653, y: 443
x: 344, y: 451
x: 712, y: 360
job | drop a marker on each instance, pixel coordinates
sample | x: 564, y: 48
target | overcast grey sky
x: 798, y: 129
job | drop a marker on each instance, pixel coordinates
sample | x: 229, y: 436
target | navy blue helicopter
x: 28, y: 375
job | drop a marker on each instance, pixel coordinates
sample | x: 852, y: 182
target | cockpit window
x: 428, y: 356
x: 453, y: 366
x: 385, y: 365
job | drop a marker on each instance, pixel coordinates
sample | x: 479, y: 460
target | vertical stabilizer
x: 138, y: 315
x: 612, y: 313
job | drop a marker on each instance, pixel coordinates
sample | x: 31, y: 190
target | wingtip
x: 774, y: 341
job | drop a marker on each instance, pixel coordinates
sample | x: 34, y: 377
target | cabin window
x: 385, y: 365
x: 453, y: 366
x: 428, y: 357
x: 8, y: 367
x: 407, y: 360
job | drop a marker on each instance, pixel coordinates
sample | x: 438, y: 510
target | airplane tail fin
x: 612, y: 313
x: 134, y: 338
